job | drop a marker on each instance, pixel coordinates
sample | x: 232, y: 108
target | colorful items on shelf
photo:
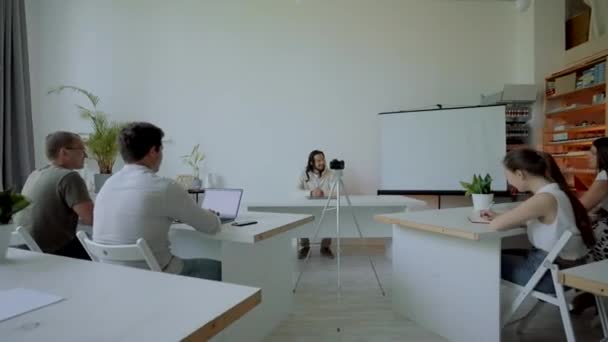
x: 592, y: 76
x: 517, y: 113
x: 599, y: 98
x: 517, y: 130
x: 550, y: 91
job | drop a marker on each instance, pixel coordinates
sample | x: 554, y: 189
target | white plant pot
x: 482, y: 201
x: 197, y: 183
x: 6, y: 231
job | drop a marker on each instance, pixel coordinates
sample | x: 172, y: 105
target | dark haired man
x: 136, y: 203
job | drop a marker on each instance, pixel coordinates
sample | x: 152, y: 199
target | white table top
x: 357, y: 201
x: 591, y: 277
x: 269, y: 225
x: 115, y: 303
x: 454, y: 222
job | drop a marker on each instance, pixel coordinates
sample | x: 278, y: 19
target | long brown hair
x: 601, y: 147
x: 310, y: 165
x: 542, y: 164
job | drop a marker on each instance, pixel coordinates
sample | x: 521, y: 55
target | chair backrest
x: 140, y: 251
x: 22, y: 237
x: 561, y: 243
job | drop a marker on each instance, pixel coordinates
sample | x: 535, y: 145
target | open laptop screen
x: 224, y: 201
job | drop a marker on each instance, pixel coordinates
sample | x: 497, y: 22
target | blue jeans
x: 518, y: 266
x: 202, y: 268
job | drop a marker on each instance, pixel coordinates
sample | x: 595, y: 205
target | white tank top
x: 545, y: 236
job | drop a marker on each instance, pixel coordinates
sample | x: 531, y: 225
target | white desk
x: 446, y: 273
x: 592, y: 278
x: 366, y: 207
x: 113, y: 303
x: 258, y: 255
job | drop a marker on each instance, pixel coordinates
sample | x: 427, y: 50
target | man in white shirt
x: 136, y: 203
x: 315, y: 182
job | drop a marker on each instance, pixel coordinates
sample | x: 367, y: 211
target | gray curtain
x: 16, y: 132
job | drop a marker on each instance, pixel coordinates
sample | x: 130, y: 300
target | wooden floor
x: 361, y: 313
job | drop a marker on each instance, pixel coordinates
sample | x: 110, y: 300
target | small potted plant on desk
x: 194, y: 159
x: 10, y: 203
x: 480, y: 189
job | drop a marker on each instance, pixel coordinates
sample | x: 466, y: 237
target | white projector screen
x: 432, y: 150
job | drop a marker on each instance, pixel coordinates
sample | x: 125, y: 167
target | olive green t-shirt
x: 53, y: 191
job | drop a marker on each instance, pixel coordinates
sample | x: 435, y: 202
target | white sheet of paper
x: 15, y: 302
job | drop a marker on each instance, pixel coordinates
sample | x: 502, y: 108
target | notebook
x: 476, y: 218
x: 15, y: 302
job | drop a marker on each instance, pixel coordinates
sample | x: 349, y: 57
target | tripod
x: 337, y: 188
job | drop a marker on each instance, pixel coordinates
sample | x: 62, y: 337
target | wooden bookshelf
x: 587, y: 142
x: 587, y: 111
x: 578, y: 92
x: 574, y: 119
x: 594, y: 128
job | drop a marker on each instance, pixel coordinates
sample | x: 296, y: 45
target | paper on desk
x: 15, y: 302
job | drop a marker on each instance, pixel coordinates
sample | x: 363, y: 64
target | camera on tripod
x: 336, y: 164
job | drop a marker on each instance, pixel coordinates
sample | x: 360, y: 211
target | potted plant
x: 480, y: 189
x: 102, y: 143
x: 193, y: 160
x: 10, y: 203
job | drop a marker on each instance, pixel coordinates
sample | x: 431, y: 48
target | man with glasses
x: 59, y: 198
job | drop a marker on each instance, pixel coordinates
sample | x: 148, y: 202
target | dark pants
x: 518, y: 266
x: 325, y: 243
x: 74, y: 250
x: 202, y: 268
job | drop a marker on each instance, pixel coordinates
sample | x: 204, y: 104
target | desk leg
x: 603, y: 314
x: 269, y: 265
x: 448, y: 285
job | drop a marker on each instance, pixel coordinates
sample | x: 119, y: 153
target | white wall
x: 549, y: 52
x: 587, y: 49
x: 261, y: 83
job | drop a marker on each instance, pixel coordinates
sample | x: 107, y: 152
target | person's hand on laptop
x: 215, y: 212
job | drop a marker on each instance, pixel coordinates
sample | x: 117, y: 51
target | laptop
x: 224, y: 201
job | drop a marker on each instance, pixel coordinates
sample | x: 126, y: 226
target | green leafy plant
x: 479, y: 185
x: 103, y: 141
x: 10, y: 204
x: 194, y: 160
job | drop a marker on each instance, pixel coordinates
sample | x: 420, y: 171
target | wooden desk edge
x: 427, y: 227
x: 221, y: 322
x: 282, y: 229
x: 583, y: 284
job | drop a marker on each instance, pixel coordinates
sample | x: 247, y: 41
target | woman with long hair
x: 552, y: 210
x: 596, y: 200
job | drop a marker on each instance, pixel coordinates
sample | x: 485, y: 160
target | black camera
x: 336, y: 164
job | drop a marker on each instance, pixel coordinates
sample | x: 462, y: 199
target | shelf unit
x: 517, y: 116
x: 575, y: 117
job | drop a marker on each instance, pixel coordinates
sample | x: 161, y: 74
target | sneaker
x: 326, y: 252
x: 303, y: 253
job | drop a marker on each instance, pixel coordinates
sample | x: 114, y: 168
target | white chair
x: 135, y: 252
x: 559, y: 299
x: 22, y: 237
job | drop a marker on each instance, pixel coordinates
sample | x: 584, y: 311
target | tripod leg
x: 371, y: 262
x: 317, y: 229
x: 338, y: 250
